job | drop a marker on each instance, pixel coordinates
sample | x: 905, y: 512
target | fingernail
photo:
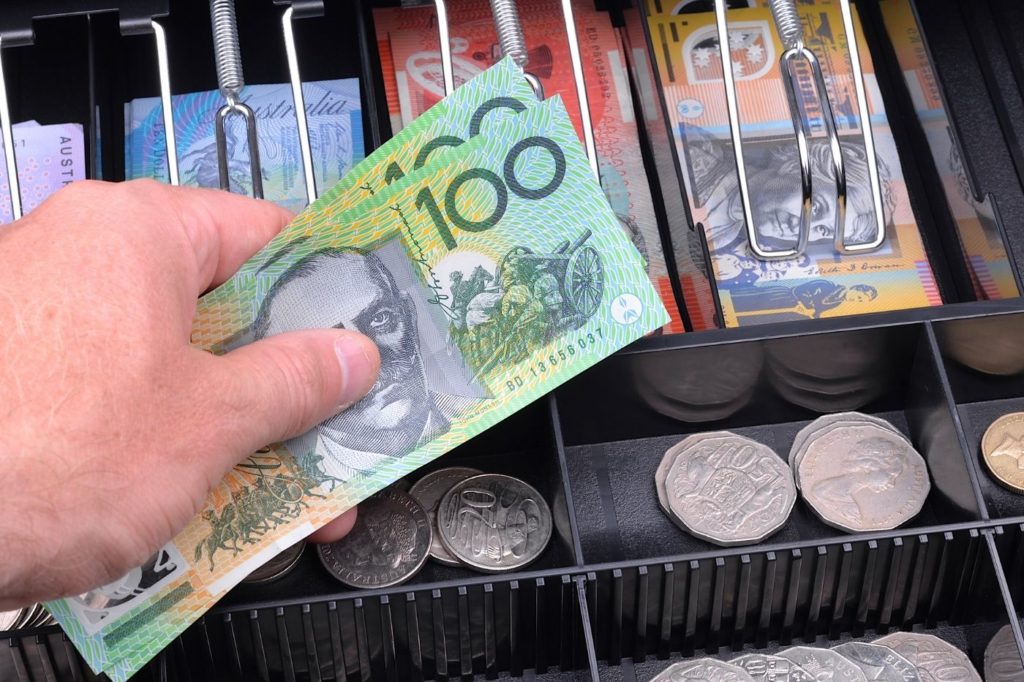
x: 359, y: 364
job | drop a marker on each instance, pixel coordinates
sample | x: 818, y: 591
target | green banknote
x: 487, y: 277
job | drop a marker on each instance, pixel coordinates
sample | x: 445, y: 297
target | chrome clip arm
x: 447, y: 68
x: 10, y: 159
x: 299, y: 102
x: 164, y: 73
x: 231, y: 81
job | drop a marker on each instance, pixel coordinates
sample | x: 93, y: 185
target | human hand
x: 114, y: 428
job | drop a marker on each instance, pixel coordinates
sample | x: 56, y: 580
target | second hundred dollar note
x: 487, y: 278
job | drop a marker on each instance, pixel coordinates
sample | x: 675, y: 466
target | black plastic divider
x: 939, y: 581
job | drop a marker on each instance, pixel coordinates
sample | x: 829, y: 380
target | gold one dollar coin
x: 1002, y: 448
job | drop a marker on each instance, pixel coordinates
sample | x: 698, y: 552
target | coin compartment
x: 974, y: 350
x: 614, y: 445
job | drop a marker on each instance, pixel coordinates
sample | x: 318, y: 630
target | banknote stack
x: 333, y: 114
x: 905, y: 656
x: 856, y: 472
x: 821, y: 282
x: 479, y: 252
x: 975, y: 215
x: 456, y: 516
x: 408, y: 43
x: 49, y: 157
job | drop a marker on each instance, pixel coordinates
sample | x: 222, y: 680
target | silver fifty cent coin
x: 494, y: 523
x: 278, y: 566
x: 936, y: 659
x: 1003, y: 659
x: 730, y: 490
x: 709, y: 669
x: 428, y: 491
x: 388, y: 544
x: 879, y: 662
x: 820, y: 423
x: 827, y: 426
x: 662, y: 472
x: 768, y: 668
x: 9, y: 619
x: 824, y: 664
x: 863, y: 477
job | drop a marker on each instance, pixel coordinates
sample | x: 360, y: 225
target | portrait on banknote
x: 423, y: 380
x: 96, y: 607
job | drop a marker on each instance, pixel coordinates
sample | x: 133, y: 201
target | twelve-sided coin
x: 708, y: 669
x: 278, y: 566
x: 824, y: 664
x: 936, y: 659
x: 730, y: 490
x: 768, y: 668
x: 879, y: 662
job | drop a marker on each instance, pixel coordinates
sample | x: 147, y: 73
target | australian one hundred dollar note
x: 821, y: 282
x: 333, y: 114
x: 479, y: 252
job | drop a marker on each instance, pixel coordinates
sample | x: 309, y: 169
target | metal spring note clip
x: 790, y: 29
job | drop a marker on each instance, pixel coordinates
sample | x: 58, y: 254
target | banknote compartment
x: 648, y: 615
x: 614, y: 445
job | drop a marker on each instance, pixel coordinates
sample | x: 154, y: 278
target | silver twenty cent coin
x: 708, y: 669
x: 824, y: 664
x: 936, y: 659
x: 1003, y: 659
x: 730, y: 490
x: 428, y: 491
x: 863, y: 477
x: 494, y: 523
x: 768, y: 668
x: 879, y: 662
x: 278, y: 566
x: 388, y: 544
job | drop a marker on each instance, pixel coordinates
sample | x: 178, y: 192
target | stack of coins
x: 858, y: 473
x: 456, y: 516
x: 830, y: 372
x: 34, y: 616
x: 1002, y: 448
x: 903, y: 656
x: 278, y: 567
x: 725, y: 488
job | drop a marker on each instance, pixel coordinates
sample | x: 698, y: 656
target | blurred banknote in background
x: 976, y: 217
x: 821, y: 282
x: 49, y: 157
x: 408, y: 43
x: 335, y: 130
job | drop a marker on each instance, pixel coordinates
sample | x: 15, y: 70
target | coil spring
x: 787, y: 21
x: 510, y: 31
x: 226, y: 49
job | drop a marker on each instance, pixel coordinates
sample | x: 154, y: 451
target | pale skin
x: 114, y: 428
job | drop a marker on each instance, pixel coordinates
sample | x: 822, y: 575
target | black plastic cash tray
x: 620, y: 592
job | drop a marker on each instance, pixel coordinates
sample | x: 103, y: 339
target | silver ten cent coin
x: 879, y: 662
x: 494, y: 523
x: 428, y: 491
x: 708, y: 669
x: 936, y: 659
x: 388, y: 544
x: 730, y: 490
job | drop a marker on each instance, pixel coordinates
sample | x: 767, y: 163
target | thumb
x: 284, y: 385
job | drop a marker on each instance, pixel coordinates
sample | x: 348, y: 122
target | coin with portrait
x: 388, y: 544
x: 428, y: 491
x: 863, y: 477
x: 936, y: 659
x: 708, y: 669
x: 1002, y: 448
x: 879, y: 662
